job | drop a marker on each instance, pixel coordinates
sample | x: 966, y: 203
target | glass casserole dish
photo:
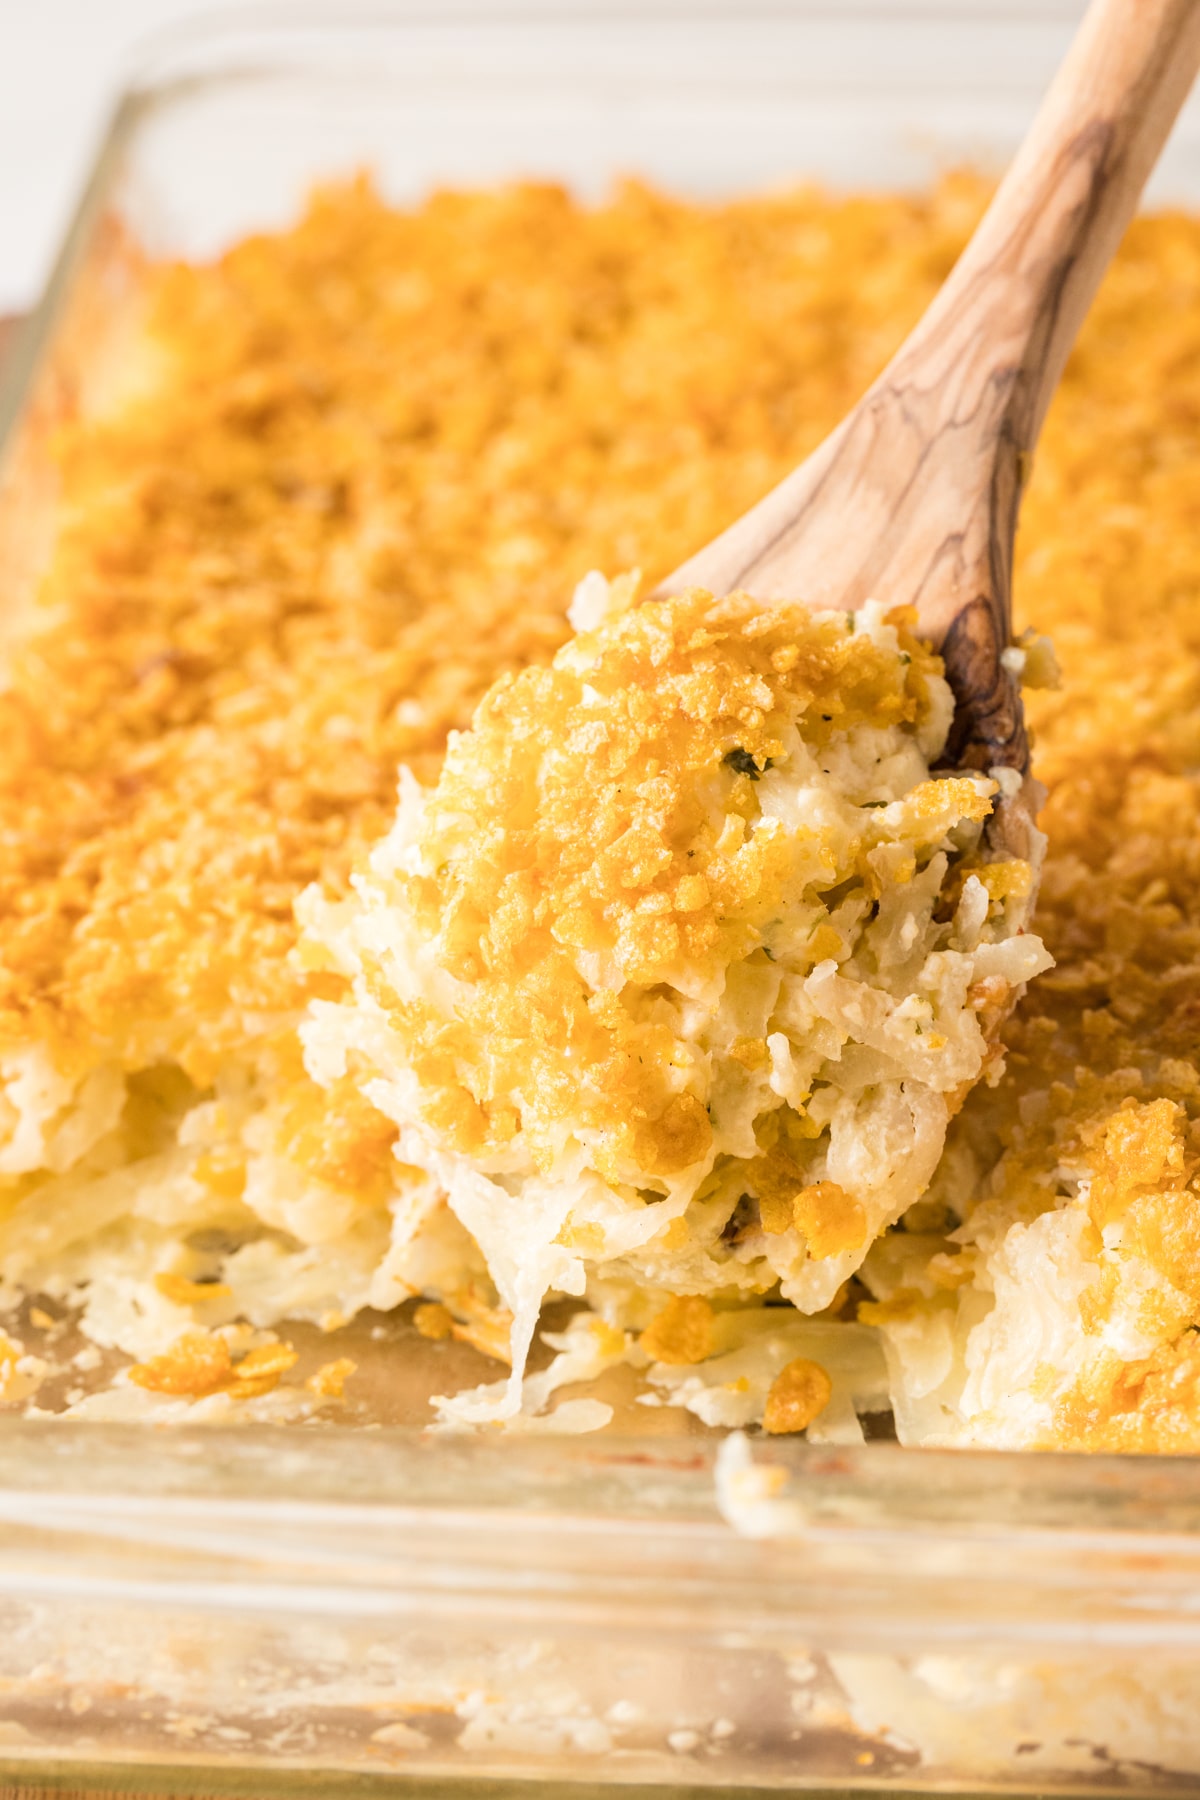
x: 240, y: 1605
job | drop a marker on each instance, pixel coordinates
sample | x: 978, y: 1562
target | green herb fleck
x: 742, y: 763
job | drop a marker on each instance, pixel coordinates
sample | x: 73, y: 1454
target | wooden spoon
x: 914, y: 498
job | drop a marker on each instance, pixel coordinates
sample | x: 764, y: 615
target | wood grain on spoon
x: 914, y: 498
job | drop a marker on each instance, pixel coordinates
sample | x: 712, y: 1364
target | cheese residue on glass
x: 674, y: 980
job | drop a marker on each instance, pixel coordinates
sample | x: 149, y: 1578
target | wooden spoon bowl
x: 913, y: 499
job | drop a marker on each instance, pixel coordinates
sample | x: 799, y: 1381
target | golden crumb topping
x: 360, y: 483
x: 603, y: 815
x: 1103, y: 1065
x: 1150, y: 1406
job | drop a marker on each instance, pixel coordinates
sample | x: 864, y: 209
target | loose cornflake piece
x: 799, y: 1392
x: 183, y: 1292
x: 260, y: 1370
x: 434, y: 1321
x: 330, y: 1379
x: 199, y: 1364
x: 682, y: 1332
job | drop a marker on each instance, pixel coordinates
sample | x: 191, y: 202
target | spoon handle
x: 914, y: 498
x: 1074, y: 186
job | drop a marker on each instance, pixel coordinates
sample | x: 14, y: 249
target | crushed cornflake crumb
x: 800, y: 1391
x: 682, y: 1332
x: 330, y: 1379
x: 190, y: 1293
x: 20, y: 1374
x: 199, y: 1364
x: 434, y: 1321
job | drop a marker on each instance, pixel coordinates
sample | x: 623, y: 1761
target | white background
x: 61, y: 62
